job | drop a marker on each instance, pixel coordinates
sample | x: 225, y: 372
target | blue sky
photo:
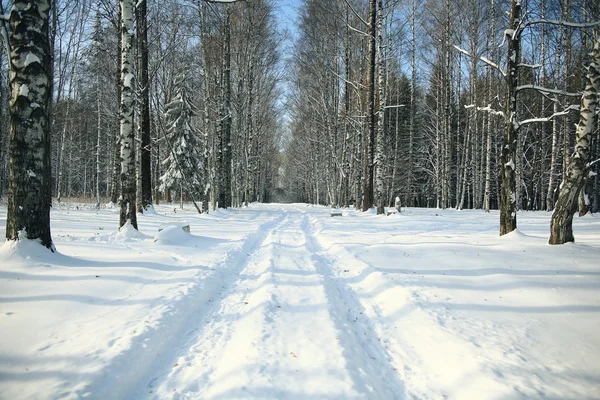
x: 287, y: 13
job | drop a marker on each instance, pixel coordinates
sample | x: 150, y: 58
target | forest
x: 170, y: 171
x: 466, y: 104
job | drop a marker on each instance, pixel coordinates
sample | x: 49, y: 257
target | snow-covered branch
x: 487, y: 109
x: 532, y: 66
x: 566, y: 111
x: 560, y: 23
x: 355, y: 85
x: 547, y: 90
x: 355, y: 13
x: 591, y: 163
x: 482, y: 59
x: 357, y: 30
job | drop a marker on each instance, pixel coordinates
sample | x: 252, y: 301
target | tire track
x: 217, y: 326
x: 358, y: 330
x: 136, y: 368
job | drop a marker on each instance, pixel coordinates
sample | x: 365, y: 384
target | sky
x: 287, y: 14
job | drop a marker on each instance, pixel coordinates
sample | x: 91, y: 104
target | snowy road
x: 284, y: 302
x: 281, y: 330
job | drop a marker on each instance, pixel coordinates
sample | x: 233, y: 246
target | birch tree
x: 127, y: 133
x: 369, y: 139
x: 29, y: 196
x: 578, y: 165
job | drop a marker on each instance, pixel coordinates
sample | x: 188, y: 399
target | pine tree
x: 184, y: 165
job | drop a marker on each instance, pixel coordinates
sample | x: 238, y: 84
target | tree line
x: 459, y: 103
x: 449, y: 104
x: 149, y: 101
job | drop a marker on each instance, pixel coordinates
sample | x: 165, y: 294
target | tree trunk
x: 380, y: 114
x: 508, y: 197
x: 553, y: 157
x: 369, y: 140
x: 413, y: 88
x: 98, y: 138
x: 128, y: 178
x: 561, y: 228
x: 225, y: 187
x: 144, y: 115
x: 29, y: 190
x: 115, y: 178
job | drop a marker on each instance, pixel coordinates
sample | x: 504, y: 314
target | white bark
x: 127, y: 133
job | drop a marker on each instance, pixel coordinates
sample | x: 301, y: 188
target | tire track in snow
x: 136, y: 368
x: 358, y: 331
x: 282, y: 332
x: 206, y: 350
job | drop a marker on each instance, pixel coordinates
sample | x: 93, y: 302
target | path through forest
x: 282, y: 329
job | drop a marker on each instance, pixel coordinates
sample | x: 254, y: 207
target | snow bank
x: 24, y: 249
x: 173, y: 234
x: 129, y: 232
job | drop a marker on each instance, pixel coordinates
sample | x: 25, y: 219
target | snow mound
x: 150, y: 210
x: 24, y: 249
x: 172, y: 234
x: 129, y: 232
x: 517, y: 236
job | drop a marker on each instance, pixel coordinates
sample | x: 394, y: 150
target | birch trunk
x: 413, y: 88
x: 127, y: 133
x: 381, y: 113
x: 29, y: 194
x: 369, y: 139
x: 561, y: 228
x: 508, y: 198
x: 98, y: 138
x: 115, y: 186
x: 488, y: 149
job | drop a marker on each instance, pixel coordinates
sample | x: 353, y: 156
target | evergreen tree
x: 184, y: 164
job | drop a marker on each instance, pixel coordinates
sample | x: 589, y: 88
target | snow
x: 282, y: 301
x: 31, y: 58
x: 128, y: 79
x: 24, y: 90
x: 511, y: 164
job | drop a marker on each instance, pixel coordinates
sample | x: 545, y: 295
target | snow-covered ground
x: 285, y: 302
